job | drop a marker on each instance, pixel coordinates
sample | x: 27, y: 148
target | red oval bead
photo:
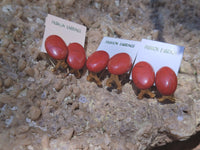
x: 119, y: 64
x: 97, y: 61
x: 76, y: 56
x: 56, y: 47
x: 166, y: 81
x: 143, y: 75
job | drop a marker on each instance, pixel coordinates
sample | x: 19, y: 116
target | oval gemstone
x: 166, y: 81
x: 143, y: 75
x: 76, y: 56
x: 97, y: 61
x: 56, y: 47
x: 119, y: 64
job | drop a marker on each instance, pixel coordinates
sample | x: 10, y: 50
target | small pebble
x: 75, y: 106
x: 187, y: 37
x: 30, y: 147
x: 21, y: 65
x: 68, y: 133
x: 8, y: 82
x: 63, y: 93
x: 44, y: 95
x: 30, y: 79
x: 82, y: 99
x: 73, y: 79
x: 76, y: 90
x: 34, y: 113
x: 58, y: 85
x: 14, y: 60
x: 22, y: 93
x: 45, y: 142
x: 9, y: 121
x: 17, y: 89
x: 29, y: 71
x: 5, y: 42
x: 69, y: 2
x: 186, y: 67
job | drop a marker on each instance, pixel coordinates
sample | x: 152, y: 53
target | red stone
x: 97, y: 61
x: 143, y: 75
x: 56, y: 47
x: 76, y: 56
x: 166, y: 81
x: 119, y: 64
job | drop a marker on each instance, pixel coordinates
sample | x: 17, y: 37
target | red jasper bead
x: 56, y: 47
x: 119, y: 64
x: 97, y: 61
x: 76, y: 56
x: 143, y: 75
x: 166, y: 81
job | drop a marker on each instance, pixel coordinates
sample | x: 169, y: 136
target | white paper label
x: 67, y: 30
x: 114, y: 46
x: 160, y: 54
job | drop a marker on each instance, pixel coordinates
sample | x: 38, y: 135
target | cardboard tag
x: 67, y: 30
x: 160, y: 54
x: 114, y: 46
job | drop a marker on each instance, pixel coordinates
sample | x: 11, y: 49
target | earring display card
x: 160, y: 54
x: 115, y: 45
x: 67, y: 30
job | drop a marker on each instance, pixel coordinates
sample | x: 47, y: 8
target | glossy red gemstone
x: 97, y: 61
x: 56, y: 47
x: 119, y: 64
x: 76, y: 56
x: 166, y: 81
x: 143, y: 75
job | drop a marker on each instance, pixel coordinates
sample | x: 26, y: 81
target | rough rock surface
x: 44, y: 110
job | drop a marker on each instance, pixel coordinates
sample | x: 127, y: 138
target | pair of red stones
x: 165, y: 80
x: 73, y: 54
x: 117, y: 65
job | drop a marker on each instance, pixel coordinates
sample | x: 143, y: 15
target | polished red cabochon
x: 76, y: 56
x: 119, y: 64
x: 97, y: 61
x: 166, y: 81
x: 143, y: 75
x: 56, y: 47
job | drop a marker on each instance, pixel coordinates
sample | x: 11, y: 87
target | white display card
x: 67, y: 30
x: 160, y: 54
x: 114, y: 46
